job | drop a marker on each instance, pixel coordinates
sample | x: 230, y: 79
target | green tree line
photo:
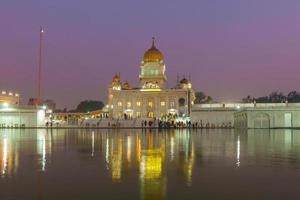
x: 275, y: 97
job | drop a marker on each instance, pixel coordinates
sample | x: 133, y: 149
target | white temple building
x: 151, y: 99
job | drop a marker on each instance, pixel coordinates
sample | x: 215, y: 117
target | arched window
x: 150, y: 114
x: 261, y: 120
x: 181, y: 102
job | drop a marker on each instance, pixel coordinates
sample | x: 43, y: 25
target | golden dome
x: 153, y: 54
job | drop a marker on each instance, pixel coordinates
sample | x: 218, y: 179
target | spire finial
x: 153, y: 41
x: 41, y: 29
x: 40, y: 63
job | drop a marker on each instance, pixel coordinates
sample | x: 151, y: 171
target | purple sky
x: 231, y: 48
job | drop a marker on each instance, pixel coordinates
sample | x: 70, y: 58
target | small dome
x: 126, y: 86
x: 185, y: 84
x: 116, y: 79
x: 184, y: 81
x: 153, y: 54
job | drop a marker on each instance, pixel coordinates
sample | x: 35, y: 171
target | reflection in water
x: 113, y: 154
x: 93, y: 143
x: 107, y: 153
x: 288, y: 138
x: 4, y: 156
x: 129, y: 149
x: 41, y: 150
x: 44, y: 141
x: 155, y: 157
x: 172, y: 148
x: 186, y: 154
x: 238, y: 152
x: 151, y: 167
x: 151, y: 149
x: 10, y: 156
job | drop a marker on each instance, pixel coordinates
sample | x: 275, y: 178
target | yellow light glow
x: 151, y: 90
x: 129, y: 149
x: 162, y: 114
x: 120, y: 114
x: 150, y: 104
x: 150, y: 114
x: 151, y: 166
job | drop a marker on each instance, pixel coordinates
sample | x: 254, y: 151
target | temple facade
x: 151, y: 98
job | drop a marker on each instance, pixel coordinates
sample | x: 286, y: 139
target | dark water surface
x: 143, y: 164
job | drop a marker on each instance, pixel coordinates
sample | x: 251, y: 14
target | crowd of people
x: 154, y: 123
x: 181, y: 124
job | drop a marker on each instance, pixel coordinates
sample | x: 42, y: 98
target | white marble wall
x: 28, y: 117
x: 216, y: 118
x: 276, y: 116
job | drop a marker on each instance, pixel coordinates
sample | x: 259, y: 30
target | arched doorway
x: 262, y: 120
x: 150, y: 114
x: 181, y: 101
x: 128, y: 114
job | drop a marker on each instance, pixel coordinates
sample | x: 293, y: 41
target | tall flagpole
x: 39, y: 92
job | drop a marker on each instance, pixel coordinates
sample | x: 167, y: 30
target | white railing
x: 242, y: 105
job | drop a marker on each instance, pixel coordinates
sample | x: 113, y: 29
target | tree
x: 263, y: 100
x: 276, y: 97
x: 248, y: 99
x: 61, y: 110
x: 200, y: 97
x: 293, y: 96
x: 209, y: 99
x: 89, y: 105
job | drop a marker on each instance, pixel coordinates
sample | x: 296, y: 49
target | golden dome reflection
x: 153, y: 54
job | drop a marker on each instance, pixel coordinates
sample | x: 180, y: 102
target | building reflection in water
x: 172, y: 147
x: 151, y: 148
x: 44, y: 147
x: 107, y: 153
x: 129, y: 150
x: 93, y: 143
x: 152, y: 181
x: 154, y: 157
x: 113, y: 155
x: 238, y: 152
x: 9, y: 156
x: 186, y: 154
x: 4, y: 156
x: 288, y: 137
